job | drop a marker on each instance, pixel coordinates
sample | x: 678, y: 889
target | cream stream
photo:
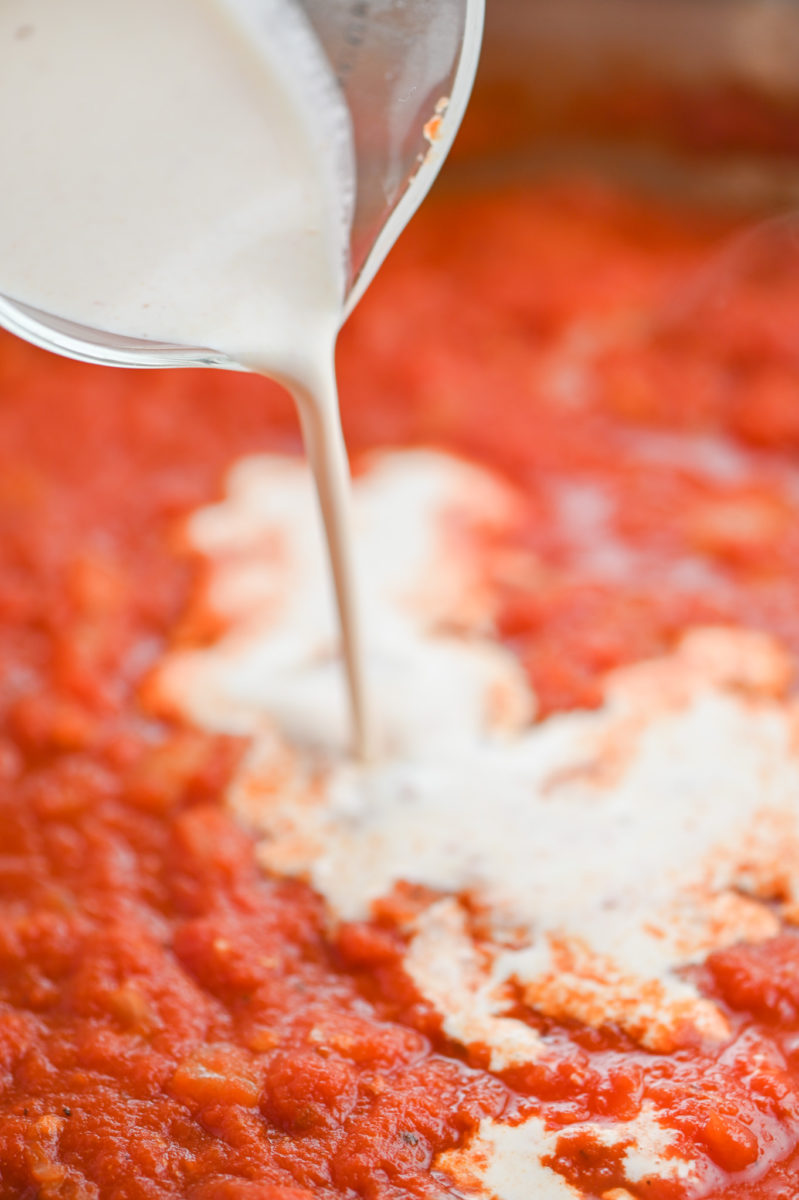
x: 183, y: 173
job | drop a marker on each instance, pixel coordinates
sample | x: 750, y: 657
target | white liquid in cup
x: 181, y: 171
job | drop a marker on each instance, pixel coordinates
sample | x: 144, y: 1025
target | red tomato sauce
x: 172, y: 1022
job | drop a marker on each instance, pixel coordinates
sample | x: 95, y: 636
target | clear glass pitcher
x: 406, y: 69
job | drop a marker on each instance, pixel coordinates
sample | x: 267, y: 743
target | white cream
x: 178, y: 172
x: 277, y: 664
x: 634, y: 840
x: 182, y: 172
x: 505, y: 1161
x: 604, y: 851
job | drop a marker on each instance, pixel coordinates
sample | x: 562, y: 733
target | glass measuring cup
x: 406, y: 69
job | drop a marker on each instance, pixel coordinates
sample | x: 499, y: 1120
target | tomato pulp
x: 172, y: 1022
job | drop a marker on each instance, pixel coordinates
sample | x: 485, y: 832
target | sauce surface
x: 175, y: 1023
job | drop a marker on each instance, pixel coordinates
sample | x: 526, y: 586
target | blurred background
x: 698, y: 95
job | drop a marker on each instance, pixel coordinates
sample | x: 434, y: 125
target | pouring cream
x: 183, y: 173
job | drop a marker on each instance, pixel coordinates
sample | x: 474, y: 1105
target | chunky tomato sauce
x: 172, y: 1022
